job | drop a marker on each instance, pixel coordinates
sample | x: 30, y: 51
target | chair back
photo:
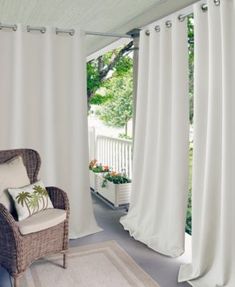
x: 30, y: 158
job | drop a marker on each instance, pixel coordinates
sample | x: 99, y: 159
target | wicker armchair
x: 18, y: 251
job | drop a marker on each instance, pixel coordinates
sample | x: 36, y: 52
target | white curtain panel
x: 43, y: 106
x: 213, y: 246
x: 160, y: 167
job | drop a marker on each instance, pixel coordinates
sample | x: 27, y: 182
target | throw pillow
x: 12, y: 174
x: 30, y: 199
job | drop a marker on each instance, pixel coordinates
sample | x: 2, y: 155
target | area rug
x: 104, y: 264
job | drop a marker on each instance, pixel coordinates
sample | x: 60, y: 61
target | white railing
x: 92, y: 143
x: 113, y: 152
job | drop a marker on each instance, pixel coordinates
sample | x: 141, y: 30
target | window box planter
x: 93, y: 180
x: 117, y: 194
x: 94, y: 169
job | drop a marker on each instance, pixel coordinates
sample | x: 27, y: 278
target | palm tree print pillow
x: 30, y: 199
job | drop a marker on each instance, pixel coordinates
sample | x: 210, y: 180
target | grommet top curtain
x: 213, y: 245
x: 160, y: 166
x: 43, y: 106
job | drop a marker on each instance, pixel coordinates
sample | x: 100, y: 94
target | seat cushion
x: 12, y: 174
x: 42, y: 220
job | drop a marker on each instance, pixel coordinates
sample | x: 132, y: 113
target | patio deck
x: 163, y: 269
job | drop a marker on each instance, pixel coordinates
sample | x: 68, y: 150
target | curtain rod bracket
x: 134, y: 33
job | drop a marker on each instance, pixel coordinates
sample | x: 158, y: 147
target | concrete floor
x: 161, y: 268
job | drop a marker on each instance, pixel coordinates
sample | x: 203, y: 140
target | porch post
x: 135, y: 33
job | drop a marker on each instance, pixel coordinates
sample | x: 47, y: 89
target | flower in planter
x: 92, y: 164
x: 116, y: 178
x: 95, y: 167
x: 106, y: 168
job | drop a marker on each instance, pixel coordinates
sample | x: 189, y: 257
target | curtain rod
x: 115, y: 35
x: 71, y: 32
x: 182, y: 17
x: 204, y: 8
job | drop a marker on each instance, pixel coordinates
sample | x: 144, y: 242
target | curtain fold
x: 43, y: 106
x: 160, y: 166
x: 213, y: 245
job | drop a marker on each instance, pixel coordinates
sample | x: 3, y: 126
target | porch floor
x: 161, y: 268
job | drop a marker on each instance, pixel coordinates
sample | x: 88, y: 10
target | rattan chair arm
x: 58, y: 197
x: 10, y: 236
x: 7, y: 219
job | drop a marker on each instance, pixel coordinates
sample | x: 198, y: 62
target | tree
x: 115, y: 63
x: 118, y: 109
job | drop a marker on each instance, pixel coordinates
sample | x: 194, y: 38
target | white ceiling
x: 118, y: 16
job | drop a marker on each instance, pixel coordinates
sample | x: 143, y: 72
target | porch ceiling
x: 119, y: 16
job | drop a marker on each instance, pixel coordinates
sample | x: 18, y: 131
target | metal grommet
x: 71, y: 32
x: 181, y: 18
x: 43, y: 30
x: 157, y: 28
x: 147, y: 33
x: 168, y: 24
x: 217, y: 2
x: 204, y: 7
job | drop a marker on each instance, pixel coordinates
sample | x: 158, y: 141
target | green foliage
x: 118, y: 110
x: 188, y: 228
x: 95, y: 167
x: 191, y: 64
x: 116, y: 178
x: 191, y: 113
x: 112, y: 64
x: 93, y: 77
x: 100, y: 168
x: 98, y: 99
x: 123, y: 66
x: 124, y: 136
